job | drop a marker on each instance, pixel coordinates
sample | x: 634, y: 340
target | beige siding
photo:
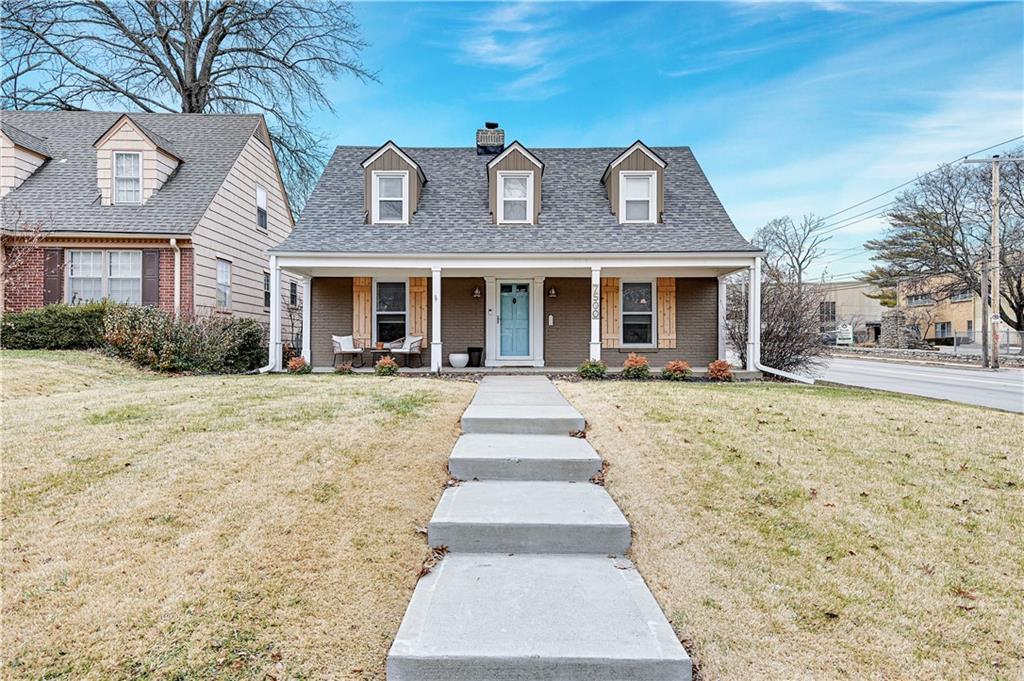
x: 16, y: 164
x: 228, y: 229
x: 156, y: 165
x: 389, y: 160
x: 515, y: 160
x: 638, y: 160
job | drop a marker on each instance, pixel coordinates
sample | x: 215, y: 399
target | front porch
x: 698, y: 373
x: 543, y: 315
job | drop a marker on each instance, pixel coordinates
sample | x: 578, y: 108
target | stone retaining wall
x: 926, y: 355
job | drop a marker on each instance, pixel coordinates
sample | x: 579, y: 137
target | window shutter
x: 151, y: 277
x: 53, y: 275
x: 611, y: 312
x: 362, y: 311
x: 418, y: 308
x: 666, y: 312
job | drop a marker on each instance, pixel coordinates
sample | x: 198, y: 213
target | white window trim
x: 502, y: 174
x: 375, y: 198
x: 261, y: 191
x: 652, y: 208
x: 653, y: 313
x: 267, y: 290
x: 113, y: 177
x: 373, y: 303
x: 104, y: 271
x: 216, y: 279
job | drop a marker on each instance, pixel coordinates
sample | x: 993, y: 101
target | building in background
x: 940, y: 314
x: 849, y: 302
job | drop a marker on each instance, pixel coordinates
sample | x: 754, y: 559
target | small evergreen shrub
x: 720, y: 370
x: 592, y: 369
x: 676, y: 370
x: 54, y: 327
x: 386, y: 366
x: 298, y: 365
x: 636, y: 367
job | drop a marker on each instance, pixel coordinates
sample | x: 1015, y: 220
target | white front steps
x: 538, y: 617
x: 523, y: 457
x: 521, y: 405
x: 529, y: 517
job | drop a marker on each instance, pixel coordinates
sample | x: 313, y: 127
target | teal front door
x: 515, y: 320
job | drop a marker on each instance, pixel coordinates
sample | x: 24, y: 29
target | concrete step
x: 539, y: 617
x: 523, y: 457
x: 520, y: 405
x: 529, y: 517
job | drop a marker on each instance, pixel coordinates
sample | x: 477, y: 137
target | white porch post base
x: 435, y: 321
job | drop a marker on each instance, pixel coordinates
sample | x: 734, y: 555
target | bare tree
x: 793, y: 248
x: 276, y: 57
x: 19, y: 243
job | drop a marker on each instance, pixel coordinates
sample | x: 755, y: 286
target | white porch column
x: 275, y: 315
x: 491, y: 323
x: 595, y: 313
x: 751, y: 317
x: 435, y: 320
x: 754, y: 317
x: 307, y: 315
x: 723, y: 293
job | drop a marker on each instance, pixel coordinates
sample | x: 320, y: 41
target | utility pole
x: 984, y: 312
x: 996, y: 291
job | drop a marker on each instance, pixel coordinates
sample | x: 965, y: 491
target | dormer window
x: 390, y: 197
x: 637, y: 192
x: 127, y: 177
x: 515, y: 203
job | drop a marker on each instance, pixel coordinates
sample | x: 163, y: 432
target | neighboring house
x: 937, y: 312
x: 542, y: 257
x: 172, y: 210
x: 849, y: 302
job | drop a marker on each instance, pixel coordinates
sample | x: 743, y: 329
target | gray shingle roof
x: 62, y: 194
x: 453, y: 217
x: 23, y: 139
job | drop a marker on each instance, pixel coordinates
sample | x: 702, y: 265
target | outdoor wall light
x: 476, y: 292
x: 552, y: 293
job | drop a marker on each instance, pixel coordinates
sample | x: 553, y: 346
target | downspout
x: 177, y: 278
x: 754, y: 330
x: 274, y: 342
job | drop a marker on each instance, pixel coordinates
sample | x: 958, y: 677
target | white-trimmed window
x: 266, y: 289
x: 638, y: 196
x: 261, y: 208
x: 962, y: 296
x: 943, y: 329
x: 919, y: 299
x: 390, y: 311
x: 223, y: 284
x: 390, y: 196
x: 95, y: 275
x: 515, y: 197
x: 127, y: 177
x: 638, y: 309
x: 293, y: 293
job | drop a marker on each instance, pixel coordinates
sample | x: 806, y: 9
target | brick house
x: 540, y: 257
x: 172, y: 210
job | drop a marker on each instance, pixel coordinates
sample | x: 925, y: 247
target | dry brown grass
x: 212, y: 527
x: 821, y: 533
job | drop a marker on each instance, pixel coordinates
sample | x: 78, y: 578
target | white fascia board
x: 514, y: 260
x: 515, y: 146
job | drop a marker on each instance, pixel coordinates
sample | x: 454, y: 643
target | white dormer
x: 514, y: 191
x: 21, y: 154
x: 132, y: 163
x: 393, y: 182
x: 635, y: 181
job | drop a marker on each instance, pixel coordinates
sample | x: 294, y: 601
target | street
x: 1002, y: 390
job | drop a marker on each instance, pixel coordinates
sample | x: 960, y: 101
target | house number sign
x: 595, y: 302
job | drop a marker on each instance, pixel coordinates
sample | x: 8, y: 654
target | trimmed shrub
x: 386, y: 366
x: 636, y: 367
x: 54, y: 327
x: 298, y: 365
x: 720, y: 370
x: 592, y: 369
x: 676, y: 370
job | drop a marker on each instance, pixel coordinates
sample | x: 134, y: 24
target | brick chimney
x: 490, y: 139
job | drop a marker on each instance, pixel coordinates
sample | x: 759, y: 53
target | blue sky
x: 789, y: 107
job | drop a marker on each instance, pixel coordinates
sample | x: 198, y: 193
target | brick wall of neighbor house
x: 24, y: 287
x: 462, y: 315
x: 566, y: 344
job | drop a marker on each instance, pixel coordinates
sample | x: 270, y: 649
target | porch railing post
x: 595, y: 313
x: 435, y: 320
x: 723, y: 297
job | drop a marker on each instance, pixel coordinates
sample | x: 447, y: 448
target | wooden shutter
x: 151, y: 277
x: 418, y: 309
x: 362, y: 311
x: 666, y: 312
x: 611, y: 312
x: 53, y: 275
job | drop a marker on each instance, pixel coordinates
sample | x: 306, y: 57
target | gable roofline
x: 161, y: 143
x: 516, y: 146
x: 20, y: 138
x: 390, y: 145
x: 624, y: 155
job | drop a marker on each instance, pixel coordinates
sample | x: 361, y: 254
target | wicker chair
x: 410, y: 348
x: 345, y: 346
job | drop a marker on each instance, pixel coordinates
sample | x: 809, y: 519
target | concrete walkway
x: 534, y: 585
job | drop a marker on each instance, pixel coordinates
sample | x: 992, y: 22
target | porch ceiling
x: 511, y: 272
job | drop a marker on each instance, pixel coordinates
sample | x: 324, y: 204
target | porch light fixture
x: 476, y: 292
x: 552, y: 293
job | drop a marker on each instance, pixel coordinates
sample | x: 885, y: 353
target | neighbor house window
x: 261, y: 208
x: 266, y: 289
x: 223, y: 284
x: 390, y: 197
x: 827, y: 314
x: 637, y: 201
x: 94, y: 275
x: 293, y: 293
x: 962, y: 296
x: 389, y: 311
x: 920, y: 299
x: 638, y: 313
x: 127, y: 177
x: 943, y: 329
x: 515, y: 199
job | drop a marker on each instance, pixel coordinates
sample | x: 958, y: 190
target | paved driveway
x: 1000, y: 390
